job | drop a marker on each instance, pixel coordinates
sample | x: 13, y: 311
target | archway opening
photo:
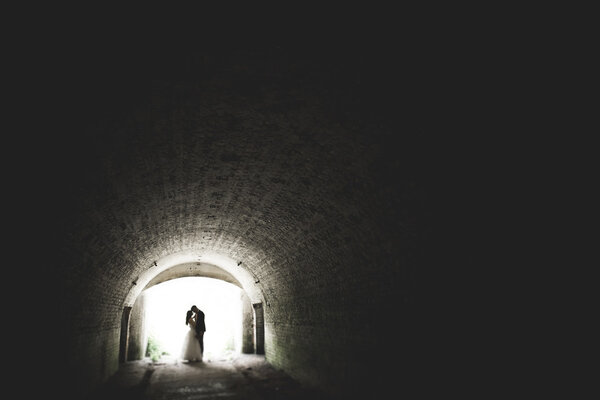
x: 166, y: 307
x: 215, y: 268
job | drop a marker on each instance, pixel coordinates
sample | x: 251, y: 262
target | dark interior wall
x: 321, y: 159
x: 304, y: 163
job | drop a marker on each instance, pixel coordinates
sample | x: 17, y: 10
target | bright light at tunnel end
x: 168, y: 302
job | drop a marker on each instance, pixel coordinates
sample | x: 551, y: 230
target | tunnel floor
x: 247, y: 376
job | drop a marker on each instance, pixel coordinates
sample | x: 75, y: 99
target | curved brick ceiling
x: 291, y: 174
x: 265, y: 162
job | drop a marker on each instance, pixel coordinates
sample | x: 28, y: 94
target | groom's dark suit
x: 200, y: 329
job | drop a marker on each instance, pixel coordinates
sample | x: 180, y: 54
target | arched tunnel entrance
x: 134, y: 330
x: 289, y: 174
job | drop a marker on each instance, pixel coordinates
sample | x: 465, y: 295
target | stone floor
x: 247, y: 376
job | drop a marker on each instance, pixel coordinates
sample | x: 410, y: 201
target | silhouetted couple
x: 193, y: 343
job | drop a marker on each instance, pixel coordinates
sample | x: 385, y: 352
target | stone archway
x: 133, y: 335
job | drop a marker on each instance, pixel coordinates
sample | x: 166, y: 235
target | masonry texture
x: 302, y: 166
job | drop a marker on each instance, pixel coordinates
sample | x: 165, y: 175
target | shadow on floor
x: 247, y: 376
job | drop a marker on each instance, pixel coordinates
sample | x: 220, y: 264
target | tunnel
x: 134, y: 336
x: 296, y: 173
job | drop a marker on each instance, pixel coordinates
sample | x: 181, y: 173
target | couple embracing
x: 193, y: 343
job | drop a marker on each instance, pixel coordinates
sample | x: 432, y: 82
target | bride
x: 191, y: 346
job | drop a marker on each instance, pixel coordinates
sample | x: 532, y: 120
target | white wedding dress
x: 190, y: 349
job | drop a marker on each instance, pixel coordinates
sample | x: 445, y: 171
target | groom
x: 200, y: 327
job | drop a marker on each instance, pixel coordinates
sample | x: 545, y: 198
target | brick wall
x: 282, y: 163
